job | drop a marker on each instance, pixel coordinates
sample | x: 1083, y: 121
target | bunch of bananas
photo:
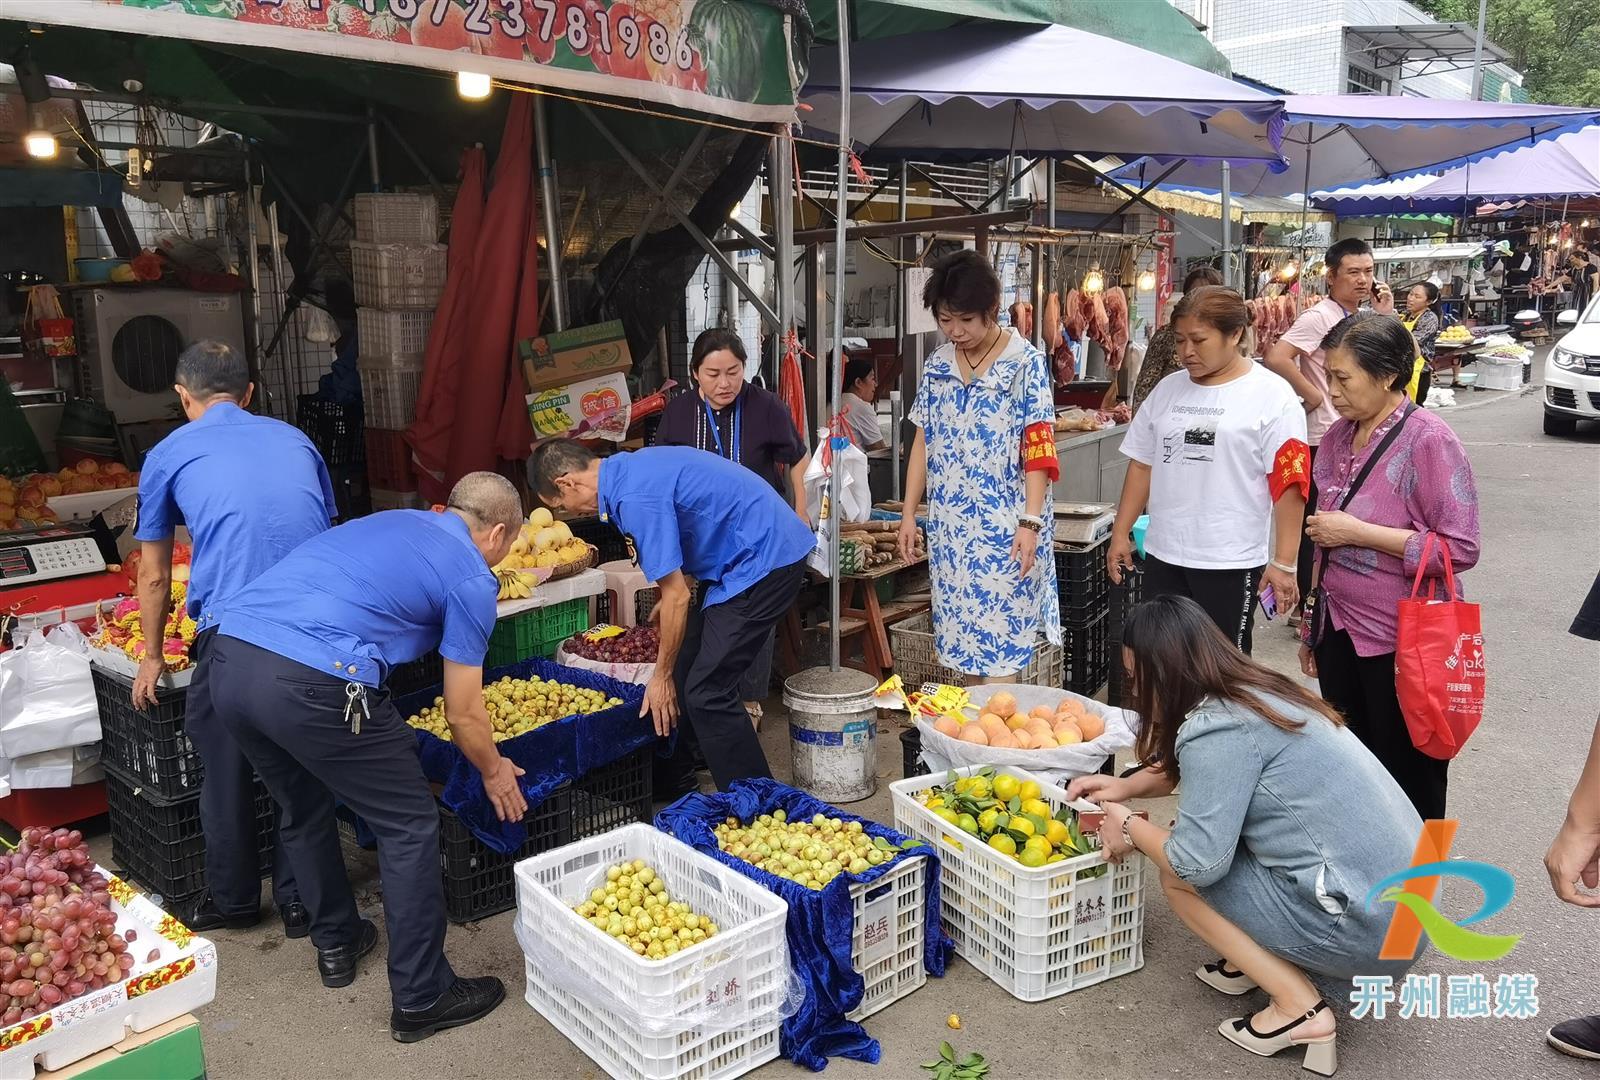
x: 513, y: 586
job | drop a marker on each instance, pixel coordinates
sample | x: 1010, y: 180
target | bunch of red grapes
x: 56, y: 936
x: 637, y: 645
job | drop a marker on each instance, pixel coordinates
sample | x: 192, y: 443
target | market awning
x: 1261, y: 209
x: 718, y: 57
x: 1565, y: 166
x: 1340, y: 139
x: 1437, y: 46
x: 1397, y: 196
x: 983, y: 91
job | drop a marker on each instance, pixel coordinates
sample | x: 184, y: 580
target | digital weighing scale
x: 56, y: 568
x: 1084, y: 524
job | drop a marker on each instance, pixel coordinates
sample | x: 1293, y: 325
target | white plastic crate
x: 887, y: 932
x: 593, y: 989
x: 1495, y: 373
x: 1038, y: 932
x: 176, y: 973
x: 389, y: 395
x: 395, y: 500
x: 393, y: 276
x: 394, y: 338
x: 395, y: 218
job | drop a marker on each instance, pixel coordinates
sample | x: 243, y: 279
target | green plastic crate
x: 537, y: 632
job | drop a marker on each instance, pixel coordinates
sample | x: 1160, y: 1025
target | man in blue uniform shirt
x: 298, y: 665
x: 689, y: 513
x: 242, y: 518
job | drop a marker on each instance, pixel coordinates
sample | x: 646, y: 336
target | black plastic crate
x: 478, y: 881
x: 335, y: 429
x: 911, y: 753
x: 1082, y: 583
x: 613, y: 795
x: 603, y: 535
x: 1124, y: 597
x: 158, y: 843
x: 1119, y: 688
x: 1085, y: 661
x: 420, y: 674
x: 352, y: 496
x: 149, y: 748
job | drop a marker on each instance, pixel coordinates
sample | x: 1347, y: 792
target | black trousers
x: 228, y: 803
x: 719, y: 645
x: 1302, y: 570
x: 1362, y: 688
x: 1228, y: 596
x: 290, y: 721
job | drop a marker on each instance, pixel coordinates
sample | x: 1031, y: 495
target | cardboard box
x: 574, y: 355
x: 589, y: 409
x: 171, y: 1051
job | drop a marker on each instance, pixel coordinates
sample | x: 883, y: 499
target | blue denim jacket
x: 1312, y: 807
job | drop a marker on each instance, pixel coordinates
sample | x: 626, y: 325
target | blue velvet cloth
x: 549, y: 756
x: 819, y: 927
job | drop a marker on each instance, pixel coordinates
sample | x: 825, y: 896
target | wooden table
x: 871, y: 616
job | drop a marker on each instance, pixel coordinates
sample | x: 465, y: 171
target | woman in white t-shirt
x: 856, y: 407
x: 1218, y: 457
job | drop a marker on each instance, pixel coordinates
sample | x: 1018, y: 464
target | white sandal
x: 1219, y: 978
x: 1322, y: 1057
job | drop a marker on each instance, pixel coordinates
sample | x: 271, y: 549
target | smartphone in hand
x: 1269, y: 603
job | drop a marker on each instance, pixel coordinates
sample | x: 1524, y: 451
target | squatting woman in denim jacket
x: 1285, y: 822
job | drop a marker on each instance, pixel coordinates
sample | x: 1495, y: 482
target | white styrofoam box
x: 887, y: 933
x: 389, y: 394
x: 395, y: 217
x: 1038, y: 932
x: 57, y: 768
x: 1498, y: 374
x: 175, y: 973
x: 393, y: 337
x: 86, y: 504
x: 708, y: 1012
x: 393, y: 276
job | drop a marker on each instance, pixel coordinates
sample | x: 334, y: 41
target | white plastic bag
x: 46, y: 697
x: 855, y: 500
x: 629, y: 673
x: 320, y: 327
x: 942, y: 752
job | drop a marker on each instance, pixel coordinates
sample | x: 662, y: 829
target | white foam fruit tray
x: 710, y: 1012
x: 176, y: 973
x: 1038, y: 932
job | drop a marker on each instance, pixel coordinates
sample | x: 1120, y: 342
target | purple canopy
x: 1335, y: 140
x: 1564, y: 166
x: 977, y: 92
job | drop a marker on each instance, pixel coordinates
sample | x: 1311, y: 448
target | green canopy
x: 1150, y: 24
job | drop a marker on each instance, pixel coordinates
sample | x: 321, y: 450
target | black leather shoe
x: 466, y: 1000
x: 203, y: 917
x: 296, y: 919
x: 338, y: 964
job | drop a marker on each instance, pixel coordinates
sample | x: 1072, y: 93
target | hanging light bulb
x: 40, y: 144
x: 1289, y: 271
x: 1094, y: 281
x: 1147, y: 280
x: 473, y: 85
x: 1585, y: 224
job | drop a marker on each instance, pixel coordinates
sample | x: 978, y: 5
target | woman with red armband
x: 985, y: 455
x: 1219, y: 460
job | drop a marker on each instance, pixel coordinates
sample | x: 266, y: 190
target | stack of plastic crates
x: 1083, y: 586
x: 399, y: 275
x: 1123, y: 598
x: 911, y: 642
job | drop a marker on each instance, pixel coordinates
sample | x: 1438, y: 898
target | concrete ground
x: 272, y: 1020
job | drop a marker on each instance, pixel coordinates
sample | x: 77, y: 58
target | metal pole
x: 782, y: 192
x: 896, y: 415
x: 903, y: 248
x: 835, y: 374
x: 550, y: 207
x: 1227, y: 227
x: 253, y: 255
x: 372, y: 148
x: 1477, y: 52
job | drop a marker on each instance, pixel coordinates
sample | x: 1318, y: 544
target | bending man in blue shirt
x: 250, y: 489
x: 687, y: 513
x: 299, y: 662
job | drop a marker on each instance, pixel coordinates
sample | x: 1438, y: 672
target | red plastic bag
x: 1438, y: 663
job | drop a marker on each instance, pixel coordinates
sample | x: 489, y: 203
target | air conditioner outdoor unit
x: 129, y: 341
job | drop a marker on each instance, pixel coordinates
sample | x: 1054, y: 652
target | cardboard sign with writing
x: 586, y: 409
x: 571, y: 356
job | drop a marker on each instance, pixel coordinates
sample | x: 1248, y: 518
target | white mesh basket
x: 394, y: 276
x: 389, y: 395
x: 395, y: 218
x: 396, y: 338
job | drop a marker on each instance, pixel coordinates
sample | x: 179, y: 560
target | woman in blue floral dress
x: 985, y: 457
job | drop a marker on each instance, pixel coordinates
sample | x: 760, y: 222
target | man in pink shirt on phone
x: 1298, y: 355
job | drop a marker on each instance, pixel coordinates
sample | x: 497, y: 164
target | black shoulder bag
x: 1313, y: 613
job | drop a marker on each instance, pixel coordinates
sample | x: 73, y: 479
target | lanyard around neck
x: 716, y: 434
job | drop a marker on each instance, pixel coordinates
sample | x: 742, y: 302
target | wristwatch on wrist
x: 1127, y: 836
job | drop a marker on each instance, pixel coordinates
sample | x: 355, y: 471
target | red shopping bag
x: 45, y: 326
x: 1438, y: 663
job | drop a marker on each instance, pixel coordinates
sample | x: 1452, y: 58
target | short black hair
x: 555, y: 458
x: 715, y: 340
x: 963, y: 283
x: 1201, y: 276
x: 209, y: 369
x: 1381, y: 344
x: 1344, y: 249
x: 857, y: 368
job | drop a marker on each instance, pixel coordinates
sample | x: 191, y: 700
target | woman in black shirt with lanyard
x: 746, y: 424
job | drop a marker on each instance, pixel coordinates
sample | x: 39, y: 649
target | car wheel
x: 1559, y: 424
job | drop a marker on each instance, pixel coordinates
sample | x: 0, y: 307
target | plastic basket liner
x: 820, y: 923
x: 549, y: 756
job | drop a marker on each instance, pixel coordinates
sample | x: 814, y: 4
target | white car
x: 1572, y: 375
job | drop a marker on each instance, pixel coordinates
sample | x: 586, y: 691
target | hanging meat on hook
x: 1117, y: 331
x: 1052, y: 322
x: 1072, y: 314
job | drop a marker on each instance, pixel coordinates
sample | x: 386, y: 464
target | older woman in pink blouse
x: 1369, y: 551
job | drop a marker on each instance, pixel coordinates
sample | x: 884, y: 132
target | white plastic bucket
x: 833, y: 727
